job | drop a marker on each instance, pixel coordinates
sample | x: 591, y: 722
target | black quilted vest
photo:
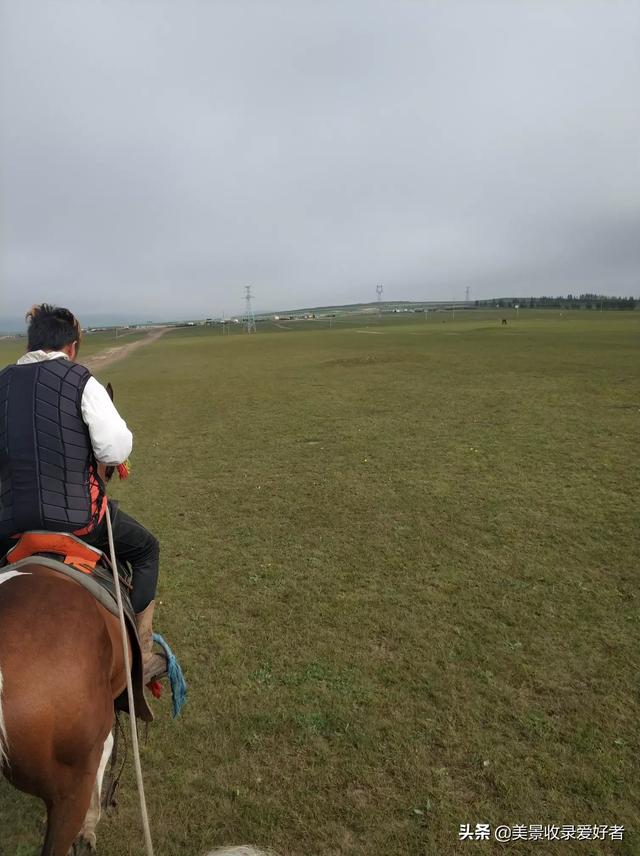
x: 46, y: 457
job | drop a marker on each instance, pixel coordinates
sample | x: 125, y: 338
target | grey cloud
x: 158, y: 156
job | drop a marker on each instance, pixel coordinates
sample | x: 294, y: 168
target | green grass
x: 12, y: 347
x: 400, y: 572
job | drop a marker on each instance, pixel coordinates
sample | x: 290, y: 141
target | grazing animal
x: 61, y: 668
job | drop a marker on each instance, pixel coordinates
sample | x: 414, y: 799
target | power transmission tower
x: 249, y: 320
x: 466, y: 294
x: 379, y: 291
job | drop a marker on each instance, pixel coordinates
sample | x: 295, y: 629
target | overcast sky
x: 158, y: 156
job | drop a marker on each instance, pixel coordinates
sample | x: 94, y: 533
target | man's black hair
x: 51, y: 328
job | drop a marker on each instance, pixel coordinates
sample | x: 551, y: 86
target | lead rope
x: 132, y: 713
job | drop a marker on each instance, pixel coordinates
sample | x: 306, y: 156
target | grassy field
x: 400, y: 571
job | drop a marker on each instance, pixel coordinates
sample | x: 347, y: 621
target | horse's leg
x: 111, y: 777
x: 73, y: 807
x: 67, y: 810
x: 87, y: 837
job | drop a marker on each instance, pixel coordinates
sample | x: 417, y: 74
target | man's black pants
x: 134, y: 544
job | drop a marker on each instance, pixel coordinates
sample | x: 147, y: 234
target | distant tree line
x: 580, y: 301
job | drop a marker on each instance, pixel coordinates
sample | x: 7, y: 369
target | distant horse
x: 61, y: 668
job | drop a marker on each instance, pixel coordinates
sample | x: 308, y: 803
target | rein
x: 132, y: 709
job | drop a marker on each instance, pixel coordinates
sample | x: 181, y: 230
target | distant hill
x: 373, y: 306
x: 13, y: 325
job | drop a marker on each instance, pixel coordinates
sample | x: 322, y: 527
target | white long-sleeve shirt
x: 112, y: 441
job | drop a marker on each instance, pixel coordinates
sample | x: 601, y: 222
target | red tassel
x: 155, y: 688
x: 123, y: 470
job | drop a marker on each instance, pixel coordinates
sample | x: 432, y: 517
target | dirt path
x: 106, y: 358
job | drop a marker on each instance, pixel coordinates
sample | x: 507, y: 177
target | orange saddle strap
x: 74, y: 551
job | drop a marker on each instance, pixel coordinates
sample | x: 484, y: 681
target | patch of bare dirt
x: 106, y: 358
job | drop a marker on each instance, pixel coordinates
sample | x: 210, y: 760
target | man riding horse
x: 54, y: 458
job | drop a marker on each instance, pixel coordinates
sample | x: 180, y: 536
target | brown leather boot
x: 154, y: 665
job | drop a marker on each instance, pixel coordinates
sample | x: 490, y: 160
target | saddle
x: 91, y: 568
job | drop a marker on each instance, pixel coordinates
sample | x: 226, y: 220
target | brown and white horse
x: 61, y: 667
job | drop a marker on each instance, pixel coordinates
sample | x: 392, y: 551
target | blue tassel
x: 174, y: 673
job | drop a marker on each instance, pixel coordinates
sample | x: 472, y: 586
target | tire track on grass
x: 106, y: 358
